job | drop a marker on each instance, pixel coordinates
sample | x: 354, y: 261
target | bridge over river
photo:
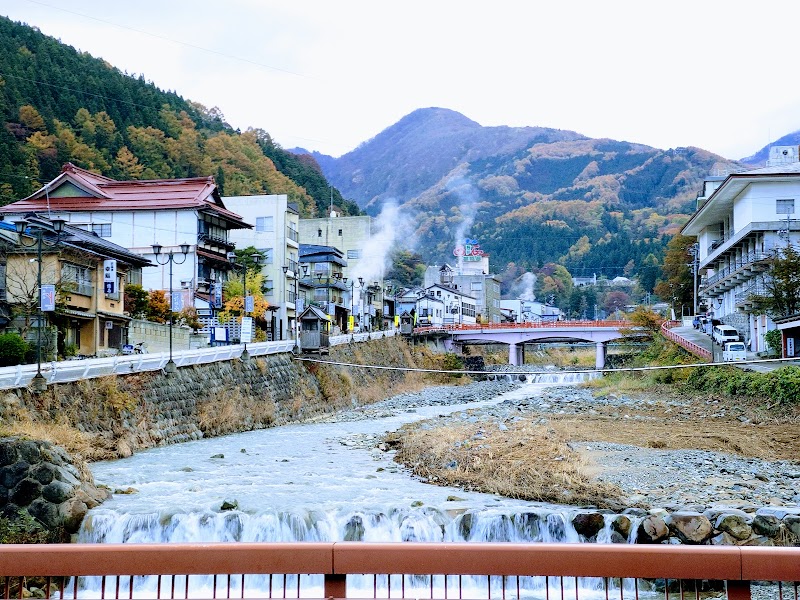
x: 516, y: 335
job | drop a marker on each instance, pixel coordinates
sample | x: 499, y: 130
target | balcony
x: 730, y: 276
x: 215, y: 240
x: 292, y: 235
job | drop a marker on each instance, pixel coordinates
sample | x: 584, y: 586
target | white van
x: 733, y: 352
x: 724, y: 333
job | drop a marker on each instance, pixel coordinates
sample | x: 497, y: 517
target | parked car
x: 724, y: 333
x: 733, y: 352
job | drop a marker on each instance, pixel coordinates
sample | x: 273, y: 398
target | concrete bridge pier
x: 516, y: 354
x: 600, y: 355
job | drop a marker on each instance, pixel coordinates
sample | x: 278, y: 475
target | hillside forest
x: 60, y: 105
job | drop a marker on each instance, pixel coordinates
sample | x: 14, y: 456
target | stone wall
x: 44, y: 495
x: 120, y: 415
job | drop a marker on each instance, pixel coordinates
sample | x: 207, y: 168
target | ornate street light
x: 294, y: 277
x: 246, y: 299
x: 39, y: 383
x: 163, y: 259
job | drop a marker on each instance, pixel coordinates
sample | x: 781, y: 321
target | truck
x: 734, y: 352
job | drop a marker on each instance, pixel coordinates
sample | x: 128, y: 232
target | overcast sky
x: 329, y: 75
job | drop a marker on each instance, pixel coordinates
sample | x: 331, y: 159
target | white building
x: 459, y: 308
x: 138, y: 214
x: 276, y: 237
x: 530, y: 311
x: 740, y: 220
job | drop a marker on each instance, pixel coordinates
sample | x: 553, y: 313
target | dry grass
x: 526, y: 461
x: 82, y: 446
x: 563, y: 357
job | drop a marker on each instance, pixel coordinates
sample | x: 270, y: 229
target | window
x: 340, y: 233
x: 784, y: 206
x: 476, y: 286
x: 319, y: 232
x: 265, y: 224
x: 267, y: 255
x: 353, y: 254
x: 102, y: 229
x: 268, y: 287
x: 77, y: 279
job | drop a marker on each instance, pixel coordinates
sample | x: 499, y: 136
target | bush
x: 12, y: 349
x: 774, y: 341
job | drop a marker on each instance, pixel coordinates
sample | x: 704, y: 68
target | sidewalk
x: 704, y: 341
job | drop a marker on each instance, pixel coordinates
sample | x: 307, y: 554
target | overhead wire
x: 546, y: 372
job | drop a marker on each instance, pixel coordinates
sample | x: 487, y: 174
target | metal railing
x: 74, y: 370
x: 737, y: 264
x: 698, y: 351
x: 398, y: 570
x: 527, y: 325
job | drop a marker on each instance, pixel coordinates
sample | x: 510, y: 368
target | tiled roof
x: 107, y: 194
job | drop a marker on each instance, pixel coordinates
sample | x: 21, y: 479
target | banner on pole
x: 47, y: 299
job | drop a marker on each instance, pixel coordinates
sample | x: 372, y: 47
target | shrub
x: 12, y: 349
x: 774, y: 341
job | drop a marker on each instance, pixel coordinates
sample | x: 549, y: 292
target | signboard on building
x: 110, y: 276
x: 247, y: 330
x: 469, y: 251
x: 47, y: 298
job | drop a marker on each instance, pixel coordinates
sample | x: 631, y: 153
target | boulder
x: 735, y: 525
x: 766, y: 524
x: 588, y: 524
x: 621, y: 525
x: 690, y: 527
x: 652, y: 530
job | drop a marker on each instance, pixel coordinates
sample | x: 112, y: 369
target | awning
x: 76, y: 313
x: 213, y: 257
x: 113, y: 316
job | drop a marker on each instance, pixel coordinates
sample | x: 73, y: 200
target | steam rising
x: 390, y: 227
x: 523, y: 287
x: 468, y: 199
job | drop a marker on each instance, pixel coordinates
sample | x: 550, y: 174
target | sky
x: 328, y: 76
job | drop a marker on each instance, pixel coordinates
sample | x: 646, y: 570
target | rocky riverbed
x: 652, y: 475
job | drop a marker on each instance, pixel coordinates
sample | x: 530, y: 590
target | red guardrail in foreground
x: 418, y: 570
x: 666, y: 327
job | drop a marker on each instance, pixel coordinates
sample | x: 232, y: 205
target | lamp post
x: 294, y: 300
x: 169, y: 258
x: 246, y: 299
x: 39, y: 383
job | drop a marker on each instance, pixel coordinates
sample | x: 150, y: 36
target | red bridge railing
x: 527, y: 325
x: 397, y: 570
x: 699, y: 351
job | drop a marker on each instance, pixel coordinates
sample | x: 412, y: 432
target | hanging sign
x: 110, y: 276
x: 247, y: 330
x: 47, y: 299
x: 216, y: 295
x: 249, y: 304
x: 177, y: 302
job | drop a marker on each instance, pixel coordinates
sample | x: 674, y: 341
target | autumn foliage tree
x: 676, y: 284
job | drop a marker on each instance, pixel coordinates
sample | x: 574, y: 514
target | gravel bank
x: 651, y: 477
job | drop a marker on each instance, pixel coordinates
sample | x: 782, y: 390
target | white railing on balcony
x: 74, y: 370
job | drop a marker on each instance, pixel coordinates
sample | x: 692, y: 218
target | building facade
x: 138, y: 214
x: 741, y: 221
x: 275, y: 234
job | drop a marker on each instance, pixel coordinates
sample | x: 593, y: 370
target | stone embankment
x: 44, y: 495
x: 112, y: 417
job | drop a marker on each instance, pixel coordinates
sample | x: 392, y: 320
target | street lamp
x: 169, y: 258
x: 294, y: 300
x: 39, y: 383
x: 246, y: 299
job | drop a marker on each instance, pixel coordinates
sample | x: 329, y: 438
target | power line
x: 533, y: 373
x: 172, y: 40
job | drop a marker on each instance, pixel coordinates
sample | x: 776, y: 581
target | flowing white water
x: 309, y: 482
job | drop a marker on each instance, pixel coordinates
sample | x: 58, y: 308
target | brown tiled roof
x: 110, y: 195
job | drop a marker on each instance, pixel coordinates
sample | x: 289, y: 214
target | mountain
x: 59, y: 105
x: 528, y: 195
x: 759, y: 159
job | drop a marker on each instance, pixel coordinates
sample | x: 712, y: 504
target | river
x: 306, y: 482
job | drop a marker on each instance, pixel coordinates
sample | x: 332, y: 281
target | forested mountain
x: 59, y: 105
x: 528, y: 195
